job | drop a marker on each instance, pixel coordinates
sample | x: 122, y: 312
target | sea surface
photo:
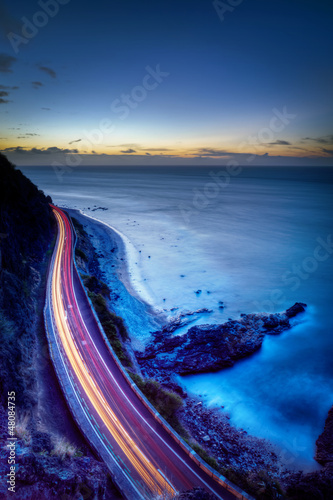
x: 258, y: 240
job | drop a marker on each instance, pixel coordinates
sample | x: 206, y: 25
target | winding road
x: 143, y: 458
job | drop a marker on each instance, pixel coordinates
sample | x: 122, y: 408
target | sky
x: 114, y: 82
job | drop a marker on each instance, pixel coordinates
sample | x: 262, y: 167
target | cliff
x: 324, y: 451
x: 52, y: 459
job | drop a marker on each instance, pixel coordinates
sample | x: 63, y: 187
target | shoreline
x: 116, y: 272
x: 139, y: 314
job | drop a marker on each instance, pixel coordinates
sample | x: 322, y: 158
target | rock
x: 41, y: 441
x: 297, y: 308
x: 208, y: 348
x: 44, y: 477
x: 324, y: 450
x: 196, y: 494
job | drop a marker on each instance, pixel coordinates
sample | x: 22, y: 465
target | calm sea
x: 258, y: 240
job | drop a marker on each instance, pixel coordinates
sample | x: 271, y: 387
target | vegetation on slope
x: 26, y: 231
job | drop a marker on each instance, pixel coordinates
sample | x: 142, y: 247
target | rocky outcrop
x: 196, y: 494
x: 47, y: 478
x: 324, y: 451
x: 207, y: 348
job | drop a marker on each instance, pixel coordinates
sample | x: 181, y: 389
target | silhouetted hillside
x: 25, y: 219
x: 26, y: 231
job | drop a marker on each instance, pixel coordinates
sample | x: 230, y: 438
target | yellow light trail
x: 147, y: 471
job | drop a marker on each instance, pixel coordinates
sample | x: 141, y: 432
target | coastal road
x: 133, y: 444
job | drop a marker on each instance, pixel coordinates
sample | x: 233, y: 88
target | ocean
x: 256, y: 239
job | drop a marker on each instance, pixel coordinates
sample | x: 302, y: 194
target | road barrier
x: 223, y: 481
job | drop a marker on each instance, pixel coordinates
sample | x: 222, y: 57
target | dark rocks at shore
x: 230, y: 446
x: 324, y: 450
x: 196, y: 494
x: 208, y: 348
x: 45, y: 478
x: 180, y: 321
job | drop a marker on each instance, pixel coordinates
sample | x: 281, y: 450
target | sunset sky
x: 167, y: 82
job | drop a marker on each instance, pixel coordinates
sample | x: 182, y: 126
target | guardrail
x: 223, y: 481
x: 63, y: 376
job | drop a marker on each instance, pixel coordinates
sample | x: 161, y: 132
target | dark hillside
x: 27, y: 228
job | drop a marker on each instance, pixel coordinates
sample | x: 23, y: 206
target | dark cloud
x: 6, y: 62
x: 128, y: 151
x: 3, y: 93
x: 148, y: 154
x: 46, y: 109
x: 37, y: 85
x: 328, y: 151
x: 6, y: 87
x: 93, y: 152
x: 47, y: 151
x: 4, y: 101
x: 278, y: 142
x: 27, y: 135
x: 211, y: 152
x: 326, y: 139
x: 77, y: 140
x: 49, y: 71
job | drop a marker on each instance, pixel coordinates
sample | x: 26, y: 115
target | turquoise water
x: 259, y: 241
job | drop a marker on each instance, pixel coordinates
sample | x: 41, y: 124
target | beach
x: 204, y: 420
x: 234, y: 251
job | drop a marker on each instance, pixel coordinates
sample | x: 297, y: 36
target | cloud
x: 4, y: 101
x: 148, y: 154
x: 157, y: 149
x: 211, y: 152
x: 3, y: 93
x: 47, y: 151
x: 128, y: 151
x: 326, y: 139
x: 46, y: 109
x: 128, y: 145
x: 49, y: 71
x: 278, y: 142
x: 27, y: 135
x: 6, y: 87
x: 37, y: 85
x: 6, y: 62
x: 77, y: 140
x: 328, y: 151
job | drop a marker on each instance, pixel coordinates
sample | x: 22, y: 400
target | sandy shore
x: 140, y: 316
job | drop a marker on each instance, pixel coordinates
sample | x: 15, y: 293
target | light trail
x: 147, y: 471
x: 129, y: 436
